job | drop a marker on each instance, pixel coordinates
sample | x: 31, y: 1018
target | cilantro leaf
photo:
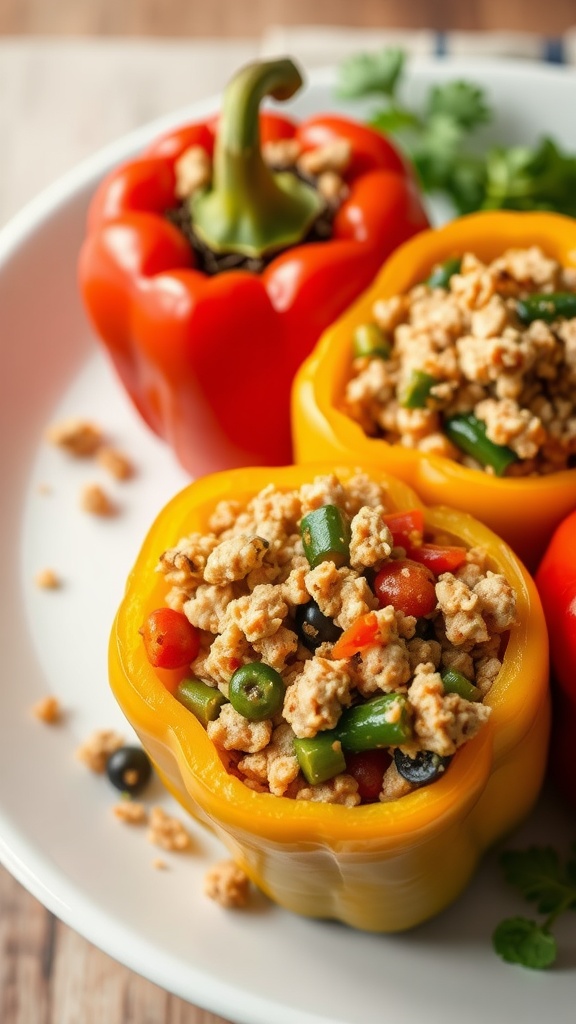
x: 435, y: 137
x: 538, y: 874
x: 462, y: 102
x: 394, y: 119
x: 521, y: 178
x: 520, y: 941
x: 435, y: 151
x: 467, y: 183
x: 541, y: 878
x: 366, y: 74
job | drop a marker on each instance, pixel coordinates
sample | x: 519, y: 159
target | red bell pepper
x: 556, y: 582
x: 364, y: 632
x: 208, y: 360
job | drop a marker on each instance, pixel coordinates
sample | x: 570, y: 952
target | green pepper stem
x: 250, y: 209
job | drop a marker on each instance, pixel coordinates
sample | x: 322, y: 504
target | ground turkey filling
x: 483, y: 358
x: 242, y: 583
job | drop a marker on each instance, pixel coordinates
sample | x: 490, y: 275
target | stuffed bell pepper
x: 214, y: 261
x: 556, y: 582
x: 349, y: 688
x: 456, y: 371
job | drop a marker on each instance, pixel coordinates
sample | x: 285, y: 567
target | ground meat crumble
x: 517, y: 378
x: 215, y: 579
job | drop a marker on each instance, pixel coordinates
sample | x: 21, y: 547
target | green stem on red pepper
x: 249, y: 208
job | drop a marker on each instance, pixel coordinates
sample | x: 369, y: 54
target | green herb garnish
x: 543, y: 880
x: 438, y: 138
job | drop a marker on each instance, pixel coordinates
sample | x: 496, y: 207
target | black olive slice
x: 315, y: 628
x: 425, y: 767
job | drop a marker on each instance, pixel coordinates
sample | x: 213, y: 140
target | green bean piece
x: 256, y: 691
x: 326, y: 536
x: 547, y: 307
x: 370, y: 341
x: 381, y: 722
x: 202, y: 700
x: 440, y: 276
x: 456, y: 682
x: 469, y: 434
x: 321, y: 757
x: 417, y: 390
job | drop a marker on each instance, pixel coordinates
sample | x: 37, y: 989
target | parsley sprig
x: 542, y: 879
x: 439, y: 139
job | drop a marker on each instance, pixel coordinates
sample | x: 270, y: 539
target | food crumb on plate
x: 159, y: 864
x: 96, y: 750
x: 115, y: 462
x: 78, y: 437
x: 227, y: 884
x: 130, y: 812
x: 93, y: 499
x: 47, y: 579
x: 168, y: 832
x: 48, y: 710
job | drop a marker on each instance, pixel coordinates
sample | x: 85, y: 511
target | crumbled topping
x: 442, y: 721
x: 227, y: 884
x: 115, y: 462
x: 76, y: 436
x: 315, y: 700
x: 93, y: 499
x: 193, y: 171
x: 233, y: 559
x: 371, y: 541
x: 394, y: 785
x: 167, y: 832
x: 96, y: 749
x: 342, y: 789
x: 334, y: 156
x: 48, y: 579
x: 131, y: 812
x: 232, y: 731
x: 48, y: 710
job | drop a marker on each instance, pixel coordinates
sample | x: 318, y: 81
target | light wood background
x: 48, y: 974
x: 250, y: 17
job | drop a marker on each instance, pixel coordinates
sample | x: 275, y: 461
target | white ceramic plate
x: 57, y: 833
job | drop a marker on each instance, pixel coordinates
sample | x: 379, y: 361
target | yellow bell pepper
x: 379, y: 867
x: 522, y: 511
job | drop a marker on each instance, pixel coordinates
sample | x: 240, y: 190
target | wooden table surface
x: 48, y: 973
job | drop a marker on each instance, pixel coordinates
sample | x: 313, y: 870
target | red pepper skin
x: 209, y: 361
x: 556, y: 582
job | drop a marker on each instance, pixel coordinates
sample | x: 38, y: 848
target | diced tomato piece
x: 169, y: 639
x: 407, y: 585
x: 368, y: 768
x: 438, y: 557
x: 361, y: 634
x: 406, y: 528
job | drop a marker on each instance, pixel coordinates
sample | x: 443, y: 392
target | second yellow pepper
x: 523, y: 511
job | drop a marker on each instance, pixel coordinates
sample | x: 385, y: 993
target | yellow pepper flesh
x: 378, y: 867
x: 522, y: 511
